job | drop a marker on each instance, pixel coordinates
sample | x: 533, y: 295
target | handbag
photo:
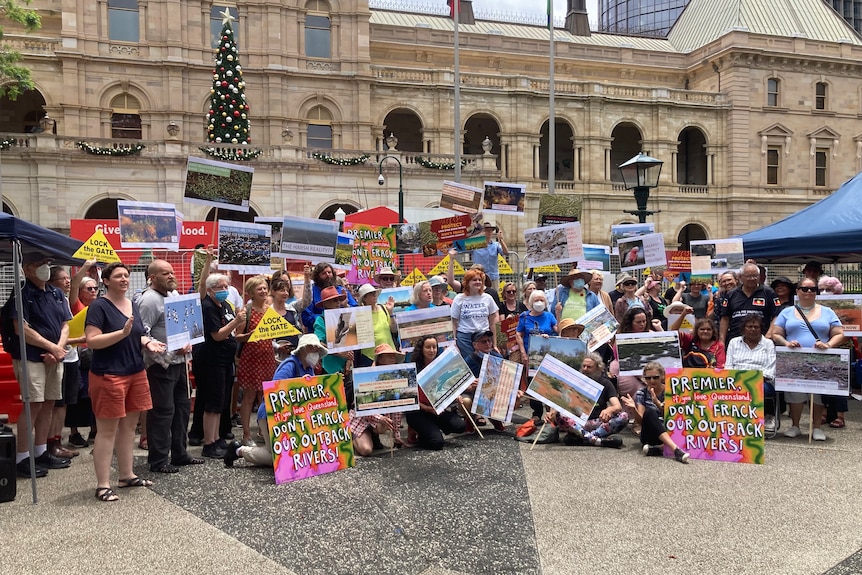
x: 808, y: 323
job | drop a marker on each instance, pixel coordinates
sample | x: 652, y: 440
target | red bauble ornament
x: 224, y: 84
x: 221, y: 69
x: 224, y: 125
x: 236, y: 113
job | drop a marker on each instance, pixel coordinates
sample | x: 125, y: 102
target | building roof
x: 703, y: 21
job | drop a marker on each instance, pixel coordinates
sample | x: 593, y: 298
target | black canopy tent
x: 829, y: 231
x: 19, y: 237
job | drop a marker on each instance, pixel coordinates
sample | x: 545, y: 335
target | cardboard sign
x: 184, y: 321
x: 414, y: 278
x: 445, y: 378
x: 497, y: 388
x: 97, y: 248
x: 385, y: 389
x: 373, y: 249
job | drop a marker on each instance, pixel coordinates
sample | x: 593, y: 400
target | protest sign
x: 385, y: 389
x: 809, y: 370
x: 309, y: 239
x: 497, y: 388
x: 148, y: 225
x: 373, y: 249
x: 642, y: 252
x: 554, y: 244
x: 568, y: 351
x: 716, y: 256
x: 508, y: 329
x: 400, y: 296
x: 244, y: 247
x: 848, y: 308
x: 97, y: 248
x: 565, y: 389
x: 678, y: 261
x: 434, y: 321
x: 600, y: 326
x: 461, y: 198
x: 343, y: 252
x: 78, y: 323
x: 505, y: 199
x: 443, y: 266
x: 349, y: 328
x: 275, y: 237
x: 622, y: 232
x: 716, y: 414
x: 635, y: 350
x: 272, y: 326
x: 308, y: 426
x: 595, y: 258
x: 218, y: 184
x: 503, y: 266
x: 559, y: 208
x: 184, y: 321
x: 445, y: 378
x: 687, y: 322
x: 435, y: 238
x: 413, y: 278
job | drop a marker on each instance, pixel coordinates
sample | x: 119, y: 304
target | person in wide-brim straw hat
x: 569, y: 329
x: 572, y: 298
x: 575, y: 273
x: 386, y: 277
x: 364, y: 290
x: 623, y: 277
x: 384, y: 354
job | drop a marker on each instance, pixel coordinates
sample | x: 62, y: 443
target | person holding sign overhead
x: 807, y: 324
x: 256, y: 360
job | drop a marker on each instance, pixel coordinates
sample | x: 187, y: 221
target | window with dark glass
x: 123, y: 23
x: 125, y: 118
x: 773, y: 165
x: 772, y: 87
x: 317, y: 36
x: 821, y: 167
x: 820, y: 91
x: 216, y: 25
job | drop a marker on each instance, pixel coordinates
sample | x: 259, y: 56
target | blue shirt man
x: 487, y: 256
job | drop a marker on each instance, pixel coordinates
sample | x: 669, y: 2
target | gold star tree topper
x: 226, y: 17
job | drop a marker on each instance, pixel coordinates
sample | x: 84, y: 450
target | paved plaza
x: 490, y: 506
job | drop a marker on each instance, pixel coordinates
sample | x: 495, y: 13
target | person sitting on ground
x: 363, y: 429
x: 428, y: 425
x: 606, y: 419
x: 648, y: 406
x: 634, y: 321
x: 483, y: 344
x: 301, y: 363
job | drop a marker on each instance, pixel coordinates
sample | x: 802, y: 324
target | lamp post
x: 340, y: 214
x: 381, y: 180
x: 640, y: 174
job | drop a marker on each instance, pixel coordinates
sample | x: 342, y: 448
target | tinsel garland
x: 96, y: 151
x: 437, y: 166
x: 230, y: 155
x: 340, y: 161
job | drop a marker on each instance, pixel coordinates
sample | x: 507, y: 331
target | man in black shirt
x: 750, y: 297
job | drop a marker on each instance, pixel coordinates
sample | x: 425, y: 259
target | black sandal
x: 106, y: 494
x: 134, y: 482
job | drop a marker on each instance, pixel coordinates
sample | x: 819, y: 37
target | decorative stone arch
x: 248, y: 217
x: 481, y: 124
x: 334, y: 122
x: 99, y: 202
x: 690, y: 158
x: 22, y: 115
x: 403, y: 129
x: 9, y: 207
x: 114, y: 89
x: 693, y: 230
x: 327, y: 210
x: 626, y: 141
x: 141, y: 123
x: 566, y: 163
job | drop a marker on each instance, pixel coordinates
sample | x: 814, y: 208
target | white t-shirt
x: 472, y: 312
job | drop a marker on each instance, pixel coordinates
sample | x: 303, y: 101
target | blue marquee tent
x: 829, y: 231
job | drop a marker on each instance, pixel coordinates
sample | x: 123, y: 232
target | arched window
x: 105, y: 209
x: 216, y: 25
x: 821, y: 91
x: 319, y: 128
x: 773, y: 92
x: 317, y: 30
x: 123, y: 20
x: 125, y: 117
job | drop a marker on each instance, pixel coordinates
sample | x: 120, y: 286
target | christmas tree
x: 227, y: 120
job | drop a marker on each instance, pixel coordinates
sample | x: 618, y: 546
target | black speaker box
x: 8, y: 477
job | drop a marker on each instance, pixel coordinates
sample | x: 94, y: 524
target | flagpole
x: 456, y: 4
x: 552, y: 135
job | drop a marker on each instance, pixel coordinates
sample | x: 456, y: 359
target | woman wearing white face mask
x: 536, y: 321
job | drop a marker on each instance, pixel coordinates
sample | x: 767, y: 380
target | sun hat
x: 490, y: 224
x: 675, y: 307
x: 330, y: 293
x: 437, y: 281
x: 622, y: 278
x: 364, y: 290
x: 569, y: 322
x: 386, y: 349
x: 384, y: 271
x: 310, y: 340
x: 576, y: 273
x: 783, y: 280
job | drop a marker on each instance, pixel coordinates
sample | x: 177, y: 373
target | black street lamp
x: 640, y: 174
x: 381, y: 180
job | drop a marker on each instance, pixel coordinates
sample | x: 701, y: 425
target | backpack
x: 7, y: 326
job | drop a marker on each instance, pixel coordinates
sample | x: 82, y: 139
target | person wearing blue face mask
x: 572, y: 296
x: 214, y: 359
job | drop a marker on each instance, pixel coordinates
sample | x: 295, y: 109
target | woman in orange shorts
x: 118, y: 383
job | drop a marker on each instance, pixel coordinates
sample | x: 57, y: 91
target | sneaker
x: 680, y: 455
x: 196, y: 441
x: 230, y: 456
x: 794, y: 431
x: 572, y: 438
x: 214, y: 451
x: 653, y: 450
x: 23, y: 469
x: 769, y: 424
x: 77, y: 440
x: 612, y: 441
x: 49, y: 461
x: 818, y: 435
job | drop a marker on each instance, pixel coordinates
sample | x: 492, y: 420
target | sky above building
x: 534, y: 7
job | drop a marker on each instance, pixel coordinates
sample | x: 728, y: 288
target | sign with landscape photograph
x: 218, y: 184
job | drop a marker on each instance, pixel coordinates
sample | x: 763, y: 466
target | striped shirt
x: 761, y: 358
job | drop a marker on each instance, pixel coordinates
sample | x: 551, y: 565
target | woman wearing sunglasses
x: 821, y: 331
